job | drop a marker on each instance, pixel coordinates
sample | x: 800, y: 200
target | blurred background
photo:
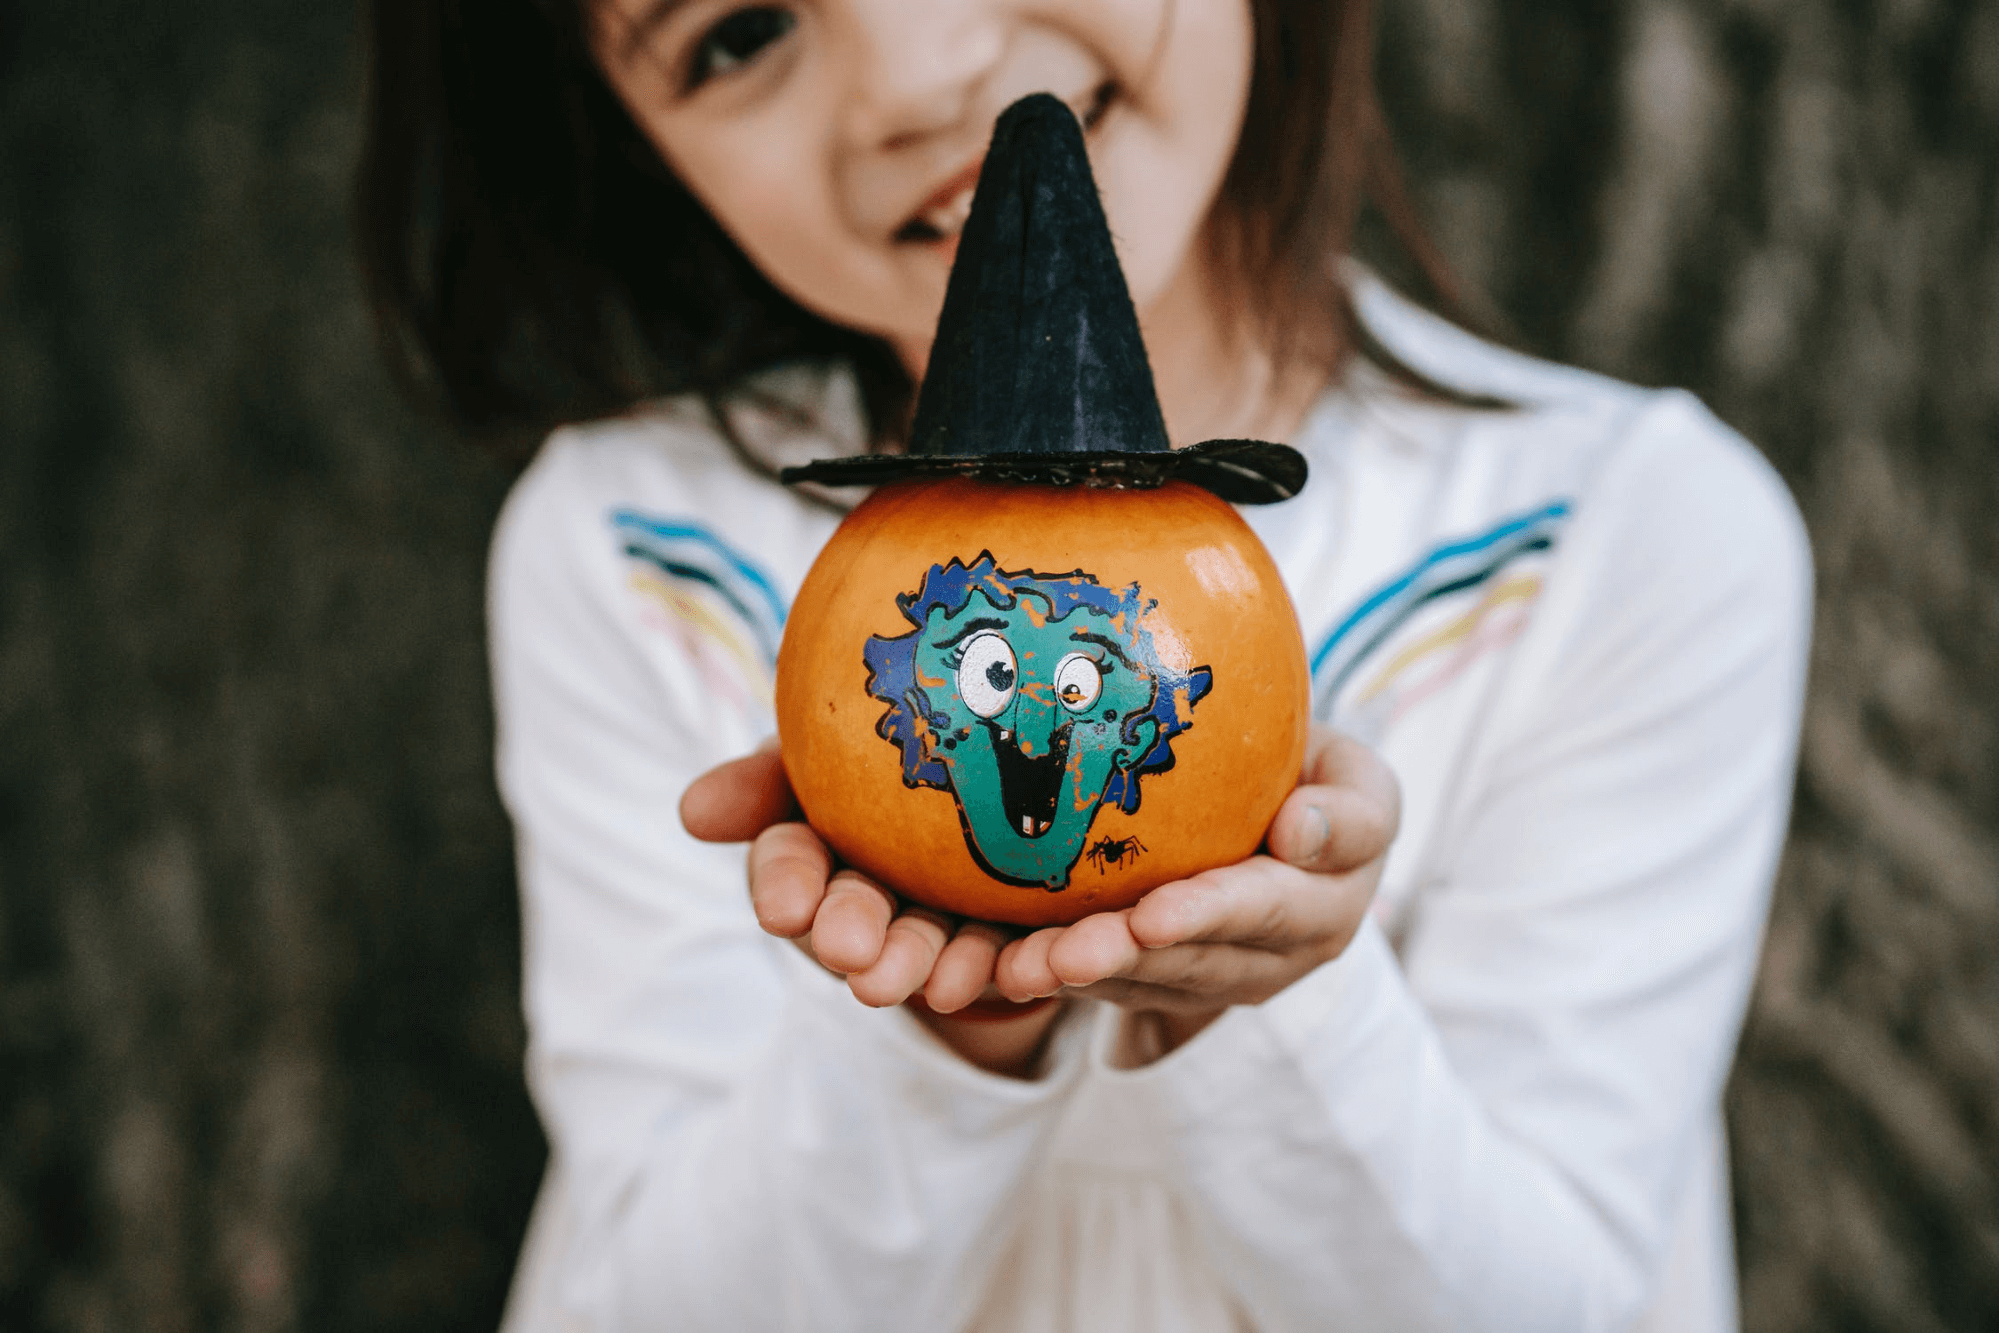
x: 259, y: 1032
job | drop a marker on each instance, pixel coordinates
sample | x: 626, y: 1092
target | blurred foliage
x: 259, y: 1030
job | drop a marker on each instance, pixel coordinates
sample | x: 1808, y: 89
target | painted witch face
x: 1033, y: 699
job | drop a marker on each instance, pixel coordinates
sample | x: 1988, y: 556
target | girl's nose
x: 916, y: 63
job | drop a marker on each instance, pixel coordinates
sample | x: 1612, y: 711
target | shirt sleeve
x: 739, y: 1143
x: 1493, y: 1130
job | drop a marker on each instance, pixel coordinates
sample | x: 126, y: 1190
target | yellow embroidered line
x: 723, y: 633
x: 1526, y: 587
x: 1489, y: 637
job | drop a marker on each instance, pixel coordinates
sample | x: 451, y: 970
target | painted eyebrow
x: 1112, y: 645
x: 970, y: 628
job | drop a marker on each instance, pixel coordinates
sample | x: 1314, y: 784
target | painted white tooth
x: 1005, y: 734
x: 1027, y: 825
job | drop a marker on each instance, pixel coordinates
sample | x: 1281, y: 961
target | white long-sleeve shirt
x: 1575, y: 630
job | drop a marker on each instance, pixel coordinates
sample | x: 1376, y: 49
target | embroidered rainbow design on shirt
x: 722, y: 606
x: 1353, y: 669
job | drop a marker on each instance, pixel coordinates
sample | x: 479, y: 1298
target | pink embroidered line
x: 1475, y: 647
x: 1524, y: 588
x: 701, y: 627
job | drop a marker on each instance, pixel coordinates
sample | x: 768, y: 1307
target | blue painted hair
x: 891, y: 664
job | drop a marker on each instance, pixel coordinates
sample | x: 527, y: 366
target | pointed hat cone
x: 1038, y: 374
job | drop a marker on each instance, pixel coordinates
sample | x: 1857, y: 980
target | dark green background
x: 259, y: 1034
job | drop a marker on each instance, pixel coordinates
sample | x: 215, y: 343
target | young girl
x: 1469, y: 1082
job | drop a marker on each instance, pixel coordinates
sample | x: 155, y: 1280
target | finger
x: 738, y: 800
x: 1333, y: 758
x: 852, y: 922
x: 909, y: 950
x: 1260, y: 903
x: 1345, y: 811
x: 1197, y: 978
x: 1138, y: 996
x: 964, y: 967
x: 1207, y: 974
x: 1022, y: 972
x: 1098, y: 946
x: 788, y: 866
x: 1331, y: 830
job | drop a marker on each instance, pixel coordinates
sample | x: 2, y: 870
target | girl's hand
x: 1240, y: 934
x: 887, y: 950
x: 1186, y: 951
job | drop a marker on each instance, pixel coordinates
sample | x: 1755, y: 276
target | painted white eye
x: 1078, y: 681
x: 986, y: 674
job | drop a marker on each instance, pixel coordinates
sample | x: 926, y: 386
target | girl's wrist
x: 998, y: 1036
x: 987, y: 1009
x: 1147, y: 1035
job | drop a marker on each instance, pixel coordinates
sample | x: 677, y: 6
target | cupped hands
x: 1189, y: 949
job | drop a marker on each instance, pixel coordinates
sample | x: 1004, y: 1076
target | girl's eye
x: 986, y: 674
x: 1078, y: 681
x: 737, y: 40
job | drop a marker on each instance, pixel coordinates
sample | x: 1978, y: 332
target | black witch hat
x: 1038, y: 373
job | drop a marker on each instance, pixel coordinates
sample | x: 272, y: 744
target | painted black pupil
x: 1000, y: 676
x: 746, y: 32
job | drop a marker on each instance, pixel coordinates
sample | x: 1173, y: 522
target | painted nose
x: 1034, y: 718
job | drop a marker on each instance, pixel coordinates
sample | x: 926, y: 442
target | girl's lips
x: 942, y: 216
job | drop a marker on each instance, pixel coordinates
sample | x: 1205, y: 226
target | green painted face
x: 1031, y: 716
x: 1034, y: 699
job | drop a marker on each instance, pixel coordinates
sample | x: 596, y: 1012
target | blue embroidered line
x: 631, y: 519
x: 1390, y: 605
x: 695, y: 574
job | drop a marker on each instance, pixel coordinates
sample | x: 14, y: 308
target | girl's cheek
x: 1183, y: 67
x: 1168, y: 56
x: 758, y: 185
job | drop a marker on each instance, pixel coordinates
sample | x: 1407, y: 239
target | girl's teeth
x: 948, y: 219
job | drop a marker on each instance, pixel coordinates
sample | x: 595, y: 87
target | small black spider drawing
x: 1113, y: 851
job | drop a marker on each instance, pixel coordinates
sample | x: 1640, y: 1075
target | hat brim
x: 1250, y: 472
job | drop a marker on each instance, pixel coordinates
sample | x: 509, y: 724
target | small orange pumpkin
x: 1046, y: 667
x: 1027, y: 703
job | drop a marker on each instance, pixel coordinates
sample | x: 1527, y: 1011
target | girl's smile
x: 943, y: 215
x: 837, y: 141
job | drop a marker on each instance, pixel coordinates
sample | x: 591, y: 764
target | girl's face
x: 837, y: 141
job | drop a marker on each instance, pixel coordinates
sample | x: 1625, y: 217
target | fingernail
x: 1317, y: 833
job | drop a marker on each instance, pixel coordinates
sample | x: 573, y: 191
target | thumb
x: 1344, y: 813
x: 734, y: 802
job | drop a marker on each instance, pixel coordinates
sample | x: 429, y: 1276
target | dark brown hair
x: 532, y: 261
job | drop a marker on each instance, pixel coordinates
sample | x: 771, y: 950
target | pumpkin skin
x: 1028, y: 703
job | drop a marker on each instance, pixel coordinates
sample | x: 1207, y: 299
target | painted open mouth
x: 1029, y: 788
